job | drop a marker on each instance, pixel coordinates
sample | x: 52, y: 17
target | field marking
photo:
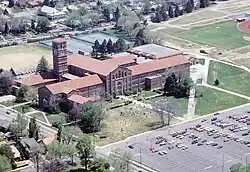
x: 207, y: 167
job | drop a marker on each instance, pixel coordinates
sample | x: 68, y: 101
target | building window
x: 122, y: 74
x: 119, y: 74
x: 125, y: 73
x: 113, y: 76
x: 116, y: 75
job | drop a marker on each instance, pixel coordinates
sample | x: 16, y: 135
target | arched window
x: 113, y: 76
x: 125, y: 73
x: 122, y: 74
x: 119, y: 74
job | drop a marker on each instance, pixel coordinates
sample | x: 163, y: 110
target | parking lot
x: 205, y: 145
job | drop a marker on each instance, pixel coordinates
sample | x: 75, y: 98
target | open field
x: 56, y: 118
x: 223, y: 35
x: 213, y: 100
x: 230, y: 77
x: 180, y: 105
x: 23, y: 109
x: 23, y: 57
x: 146, y: 94
x: 196, y: 17
x: 126, y: 121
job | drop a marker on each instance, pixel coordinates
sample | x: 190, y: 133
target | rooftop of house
x: 159, y: 64
x: 121, y: 60
x: 36, y: 79
x: 157, y: 50
x: 69, y: 76
x: 81, y: 100
x: 68, y: 86
x: 30, y: 144
x: 50, y: 11
x: 59, y: 40
x: 15, y: 151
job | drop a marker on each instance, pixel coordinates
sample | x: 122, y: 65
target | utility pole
x: 222, y: 163
x: 140, y: 157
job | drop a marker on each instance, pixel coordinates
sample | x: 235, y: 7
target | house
x: 50, y: 13
x: 17, y: 155
x: 29, y: 147
x: 82, y: 78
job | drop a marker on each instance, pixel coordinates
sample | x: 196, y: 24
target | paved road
x: 7, y: 118
x: 196, y: 158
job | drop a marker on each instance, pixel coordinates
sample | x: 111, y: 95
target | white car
x: 209, y: 142
x: 181, y: 137
x: 164, y: 152
x: 243, y: 128
x: 248, y: 145
x: 185, y: 147
x: 171, y: 142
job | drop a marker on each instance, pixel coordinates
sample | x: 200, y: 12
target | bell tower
x: 60, y: 64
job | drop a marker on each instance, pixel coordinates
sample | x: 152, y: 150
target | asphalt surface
x: 7, y: 118
x: 205, y: 158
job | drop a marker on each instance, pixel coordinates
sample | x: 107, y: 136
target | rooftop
x: 59, y: 40
x: 68, y: 86
x: 69, y: 76
x: 81, y: 100
x: 157, y: 50
x: 121, y: 60
x: 30, y: 144
x: 159, y: 64
x: 36, y: 79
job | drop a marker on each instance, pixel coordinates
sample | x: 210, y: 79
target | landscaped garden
x: 230, y: 78
x: 122, y: 122
x: 210, y: 100
x: 223, y: 35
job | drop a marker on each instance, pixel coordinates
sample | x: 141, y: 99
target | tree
x: 59, y: 133
x: 202, y: 3
x: 52, y: 4
x: 110, y: 48
x: 7, y: 151
x: 163, y: 108
x: 100, y: 165
x: 216, y: 82
x: 55, y: 166
x: 120, y: 161
x: 33, y: 129
x: 171, y: 12
x: 99, y: 3
x: 177, y: 11
x: 11, y: 3
x: 85, y: 149
x: 31, y: 94
x: 43, y: 24
x: 46, y: 3
x: 22, y: 93
x: 117, y: 14
x: 6, y: 29
x: 120, y: 45
x: 95, y: 49
x: 6, y: 82
x: 189, y: 7
x: 106, y: 14
x: 33, y: 24
x: 103, y: 48
x: 141, y: 38
x: 163, y: 12
x: 91, y: 117
x: 5, y: 165
x: 5, y: 12
x: 57, y: 149
x: 74, y: 114
x: 170, y: 84
x: 146, y: 7
x: 184, y: 85
x: 43, y: 65
x: 18, y: 126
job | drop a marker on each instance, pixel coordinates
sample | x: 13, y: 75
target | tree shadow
x: 154, y: 125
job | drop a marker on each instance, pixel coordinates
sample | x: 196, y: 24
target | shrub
x: 216, y: 82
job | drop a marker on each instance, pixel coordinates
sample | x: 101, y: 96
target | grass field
x: 213, y: 100
x: 180, y: 105
x: 56, y: 118
x: 23, y: 57
x: 230, y: 77
x: 38, y: 116
x: 221, y: 35
x: 23, y: 109
x: 126, y: 121
x: 146, y: 94
x: 197, y: 16
x: 9, y: 103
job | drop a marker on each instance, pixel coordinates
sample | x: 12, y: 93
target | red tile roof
x: 121, y: 60
x: 159, y: 64
x: 36, y: 79
x: 91, y: 64
x: 81, y: 100
x: 68, y: 86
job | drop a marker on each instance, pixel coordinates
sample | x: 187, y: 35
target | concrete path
x: 7, y: 98
x: 226, y: 91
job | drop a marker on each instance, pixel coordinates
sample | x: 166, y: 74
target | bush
x: 105, y: 29
x: 216, y: 82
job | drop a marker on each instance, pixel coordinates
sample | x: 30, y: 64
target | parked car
x: 225, y: 140
x: 131, y: 146
x: 194, y: 142
x: 216, y: 114
x: 245, y: 134
x: 209, y: 142
x: 214, y: 119
x: 219, y: 147
x: 214, y: 144
x: 200, y: 144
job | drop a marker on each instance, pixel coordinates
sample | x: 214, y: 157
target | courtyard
x: 230, y: 77
x: 224, y: 35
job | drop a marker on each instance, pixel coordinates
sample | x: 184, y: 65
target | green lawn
x: 223, y: 35
x: 23, y: 109
x: 230, y: 77
x: 180, y: 105
x: 56, y: 118
x: 38, y: 116
x: 213, y: 100
x: 9, y: 103
x: 146, y: 94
